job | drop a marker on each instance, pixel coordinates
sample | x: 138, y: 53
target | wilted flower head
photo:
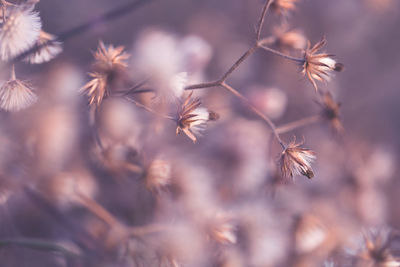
x: 374, y: 249
x: 16, y: 95
x: 319, y: 66
x: 109, y: 65
x: 222, y: 229
x: 19, y: 31
x: 47, y: 49
x: 295, y: 160
x: 192, y: 119
x: 282, y: 7
x: 331, y: 112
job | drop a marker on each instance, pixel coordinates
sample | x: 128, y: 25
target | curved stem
x: 276, y: 52
x: 297, y: 124
x: 250, y: 51
x: 262, y: 18
x: 256, y: 111
x: 148, y: 109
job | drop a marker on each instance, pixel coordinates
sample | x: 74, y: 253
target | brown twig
x: 262, y: 18
x: 256, y: 111
x: 298, y: 123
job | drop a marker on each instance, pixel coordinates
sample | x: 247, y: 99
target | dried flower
x: 319, y: 66
x: 222, y: 229
x: 16, y: 95
x: 47, y: 49
x: 192, y: 119
x: 283, y: 7
x: 374, y: 249
x: 295, y: 160
x: 19, y: 31
x: 330, y: 111
x: 108, y: 67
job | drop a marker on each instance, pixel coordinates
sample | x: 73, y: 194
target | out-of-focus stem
x: 262, y: 18
x: 297, y: 124
x: 256, y: 111
x: 148, y: 109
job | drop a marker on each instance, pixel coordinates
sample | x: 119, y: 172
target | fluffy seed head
x: 19, y: 31
x: 319, y: 66
x: 16, y: 95
x: 295, y: 160
x: 48, y: 49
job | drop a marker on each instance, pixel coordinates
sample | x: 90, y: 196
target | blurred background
x: 220, y: 201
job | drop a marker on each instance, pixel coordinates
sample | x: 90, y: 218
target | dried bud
x: 223, y: 230
x: 108, y: 67
x: 319, y: 66
x: 295, y: 160
x: 289, y: 39
x: 192, y: 119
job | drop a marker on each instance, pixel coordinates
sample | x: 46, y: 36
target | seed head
x: 295, y: 160
x: 19, y: 31
x: 16, y: 95
x: 319, y: 66
x: 158, y: 174
x: 289, y: 39
x: 108, y: 67
x: 283, y: 7
x: 192, y: 119
x: 47, y: 49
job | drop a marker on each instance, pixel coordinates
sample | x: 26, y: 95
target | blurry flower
x: 289, y: 39
x: 108, y: 67
x: 19, y: 31
x: 295, y: 160
x: 222, y: 229
x: 374, y: 249
x: 331, y: 112
x: 310, y: 234
x: 319, y: 66
x: 16, y: 95
x: 47, y: 49
x: 192, y: 119
x: 158, y: 57
x: 283, y: 7
x: 158, y: 174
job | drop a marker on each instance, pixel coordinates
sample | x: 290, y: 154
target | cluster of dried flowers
x: 21, y: 30
x: 130, y: 192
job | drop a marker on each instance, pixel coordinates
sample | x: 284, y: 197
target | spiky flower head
x: 283, y: 7
x: 108, y: 68
x: 319, y: 66
x: 192, y: 119
x: 47, y: 49
x: 19, y: 31
x: 296, y: 160
x: 16, y: 95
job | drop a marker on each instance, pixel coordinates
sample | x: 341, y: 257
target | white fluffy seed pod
x: 19, y: 32
x: 16, y: 95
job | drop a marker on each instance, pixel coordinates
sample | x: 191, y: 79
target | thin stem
x: 256, y: 111
x: 37, y: 244
x: 203, y: 85
x: 97, y: 210
x: 148, y: 109
x: 250, y: 51
x: 147, y: 229
x: 262, y: 18
x: 298, y: 123
x: 108, y: 16
x: 276, y: 52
